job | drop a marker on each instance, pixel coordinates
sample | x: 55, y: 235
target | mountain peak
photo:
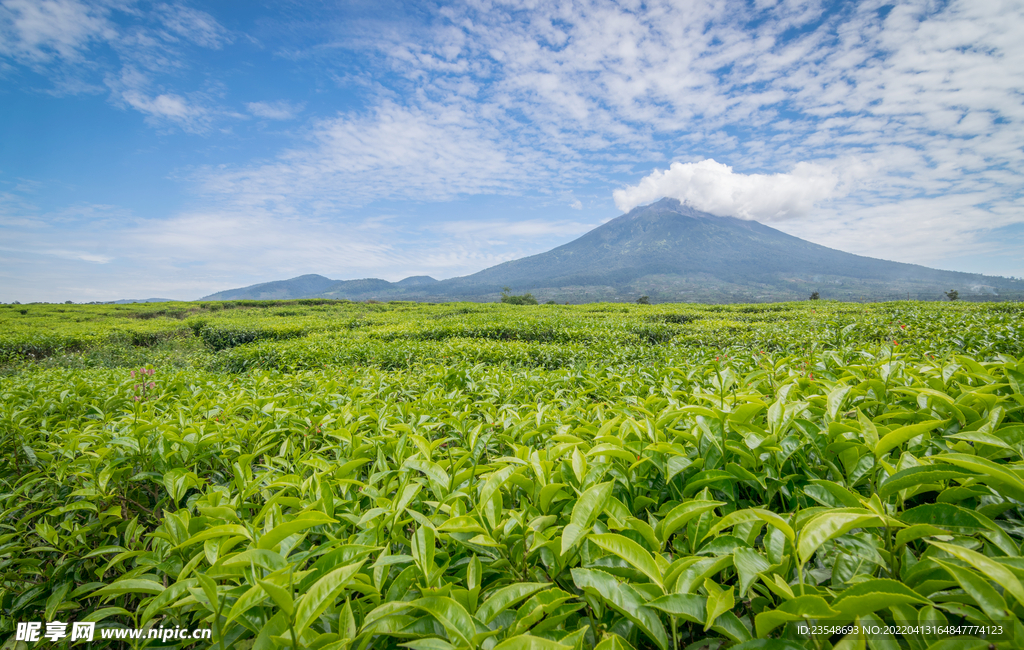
x: 670, y: 252
x: 669, y: 205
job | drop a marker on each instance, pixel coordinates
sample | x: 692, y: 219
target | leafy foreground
x: 525, y: 478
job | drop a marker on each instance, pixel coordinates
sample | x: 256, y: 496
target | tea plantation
x: 349, y: 476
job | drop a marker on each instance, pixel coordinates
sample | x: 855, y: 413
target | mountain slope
x: 314, y: 286
x: 303, y: 286
x: 670, y: 239
x: 672, y: 252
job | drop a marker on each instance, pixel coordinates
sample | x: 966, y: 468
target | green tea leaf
x: 828, y: 526
x: 719, y: 602
x: 282, y: 596
x: 986, y: 597
x: 586, y: 511
x: 689, y: 607
x: 129, y: 586
x: 749, y: 564
x: 993, y: 570
x: 321, y: 594
x: 681, y: 514
x: 506, y: 597
x: 528, y: 642
x: 991, y: 474
x: 632, y: 553
x: 623, y: 599
x: 452, y: 616
x: 872, y: 595
x: 302, y: 522
x: 800, y: 608
x: 920, y: 475
x: 899, y: 436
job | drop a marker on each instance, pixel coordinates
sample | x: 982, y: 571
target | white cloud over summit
x: 713, y: 187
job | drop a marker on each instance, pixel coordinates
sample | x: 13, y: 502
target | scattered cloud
x: 389, y: 152
x: 893, y: 108
x: 84, y: 256
x: 36, y: 32
x: 835, y: 121
x: 250, y: 242
x: 280, y: 110
x: 839, y: 104
x: 132, y: 52
x: 191, y: 24
x: 524, y: 228
x: 134, y: 89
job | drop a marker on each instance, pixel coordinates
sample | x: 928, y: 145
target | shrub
x: 509, y: 299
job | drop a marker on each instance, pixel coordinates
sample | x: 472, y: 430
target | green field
x: 336, y: 475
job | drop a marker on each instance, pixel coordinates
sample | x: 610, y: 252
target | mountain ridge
x: 670, y: 252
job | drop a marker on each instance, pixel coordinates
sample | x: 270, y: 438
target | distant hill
x: 416, y: 281
x: 300, y: 287
x: 670, y: 252
x: 317, y: 286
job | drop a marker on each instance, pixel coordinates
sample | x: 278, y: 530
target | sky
x: 152, y: 149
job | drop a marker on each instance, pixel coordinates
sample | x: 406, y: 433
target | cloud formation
x: 39, y: 31
x: 390, y: 152
x: 911, y: 101
x: 130, y: 51
x: 713, y: 187
x: 835, y: 120
x: 279, y: 110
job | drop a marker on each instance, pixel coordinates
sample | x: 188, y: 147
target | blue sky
x: 177, y: 149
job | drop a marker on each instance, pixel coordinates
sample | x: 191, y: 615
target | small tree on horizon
x: 815, y: 296
x: 643, y: 300
x: 953, y: 294
x: 509, y: 299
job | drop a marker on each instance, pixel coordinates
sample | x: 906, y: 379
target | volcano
x: 669, y: 252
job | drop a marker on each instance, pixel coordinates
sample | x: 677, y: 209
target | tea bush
x: 520, y: 477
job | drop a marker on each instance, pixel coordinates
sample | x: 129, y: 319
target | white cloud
x: 100, y: 253
x: 133, y: 50
x: 38, y: 31
x: 901, y: 124
x: 434, y: 153
x: 197, y: 26
x: 84, y: 256
x: 135, y: 89
x: 280, y: 110
x: 490, y: 99
x: 713, y: 187
x: 920, y: 103
x: 253, y: 241
x: 172, y: 107
x: 527, y: 228
x: 918, y: 230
